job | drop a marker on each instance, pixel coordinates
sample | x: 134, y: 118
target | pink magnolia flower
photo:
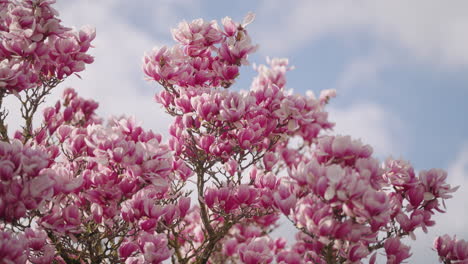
x: 435, y: 185
x: 13, y: 248
x: 231, y: 167
x: 284, y: 199
x: 154, y: 247
x: 41, y: 251
x: 234, y: 106
x: 269, y: 160
x: 230, y: 247
x: 197, y: 35
x: 183, y: 206
x: 14, y: 75
x: 230, y: 27
x: 396, y: 251
x: 399, y: 173
x: 126, y: 249
x: 444, y: 245
x: 255, y: 251
x: 357, y: 252
x: 342, y: 149
x: 288, y: 257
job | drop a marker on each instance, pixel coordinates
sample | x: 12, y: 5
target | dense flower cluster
x: 120, y: 172
x: 35, y: 47
x: 27, y: 247
x: 12, y: 248
x: 205, y: 56
x: 77, y: 189
x: 346, y: 199
x: 451, y: 250
x: 87, y: 178
x: 24, y: 185
x: 220, y: 123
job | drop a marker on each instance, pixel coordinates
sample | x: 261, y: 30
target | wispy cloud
x: 125, y: 30
x: 431, y: 30
x: 115, y: 79
x: 362, y: 71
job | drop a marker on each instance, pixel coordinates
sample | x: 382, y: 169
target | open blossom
x: 197, y: 36
x: 435, y: 185
x: 399, y: 173
x: 285, y: 257
x: 358, y: 252
x: 147, y: 248
x: 154, y: 248
x: 63, y: 221
x: 284, y: 199
x: 396, y: 251
x: 256, y: 251
x: 41, y: 251
x: 341, y: 149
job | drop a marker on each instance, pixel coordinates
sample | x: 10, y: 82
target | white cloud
x: 303, y: 21
x: 426, y: 29
x: 362, y: 71
x: 373, y: 125
x: 456, y: 218
x: 115, y: 79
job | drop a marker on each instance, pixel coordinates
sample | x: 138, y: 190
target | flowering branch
x: 3, y: 116
x: 79, y: 189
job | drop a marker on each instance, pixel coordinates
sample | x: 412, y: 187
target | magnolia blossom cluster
x: 451, y: 250
x: 122, y: 174
x: 349, y: 205
x: 248, y: 242
x: 12, y: 247
x: 24, y: 185
x: 80, y: 178
x: 60, y: 119
x: 205, y: 56
x: 218, y: 124
x: 30, y: 246
x: 35, y: 47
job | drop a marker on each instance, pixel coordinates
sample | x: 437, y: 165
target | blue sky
x: 400, y: 69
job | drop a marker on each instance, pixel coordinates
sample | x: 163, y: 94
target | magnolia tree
x: 77, y: 189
